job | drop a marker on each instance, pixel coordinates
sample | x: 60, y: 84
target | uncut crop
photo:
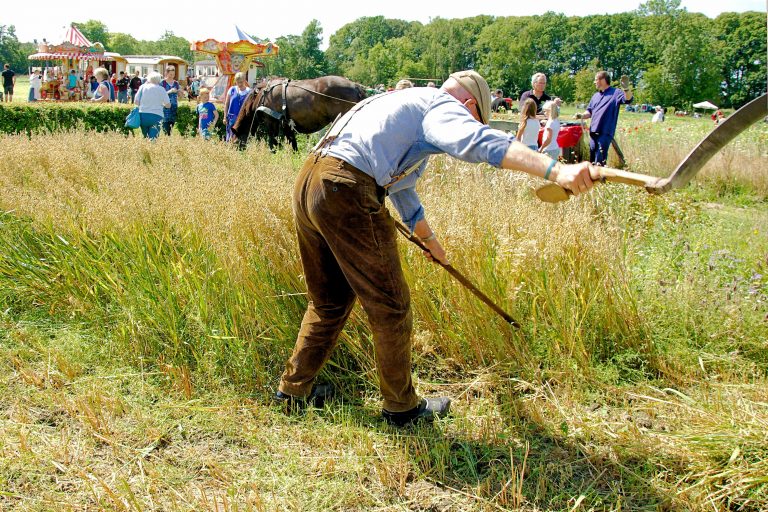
x: 188, y: 250
x: 657, y: 148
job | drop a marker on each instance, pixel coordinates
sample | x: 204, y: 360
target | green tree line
x: 673, y: 57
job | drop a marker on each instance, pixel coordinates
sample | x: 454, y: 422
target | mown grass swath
x: 179, y: 257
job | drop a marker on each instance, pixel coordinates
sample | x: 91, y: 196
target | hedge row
x: 42, y: 117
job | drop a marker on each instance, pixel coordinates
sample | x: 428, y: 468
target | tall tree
x: 300, y: 56
x: 171, y: 44
x: 658, y: 24
x: 506, y: 61
x: 10, y: 49
x: 356, y: 39
x: 451, y: 45
x: 689, y: 67
x: 742, y: 52
x: 584, y: 82
x: 660, y: 8
x: 563, y: 86
x: 124, y: 44
x: 693, y: 62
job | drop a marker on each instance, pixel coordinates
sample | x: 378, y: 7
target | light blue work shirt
x: 397, y: 129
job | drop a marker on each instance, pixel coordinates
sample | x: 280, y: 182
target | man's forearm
x: 422, y: 230
x: 520, y: 158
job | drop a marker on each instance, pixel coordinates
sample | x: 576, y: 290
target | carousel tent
x: 75, y: 46
x: 74, y: 36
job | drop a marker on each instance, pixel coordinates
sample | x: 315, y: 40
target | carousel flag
x: 243, y: 36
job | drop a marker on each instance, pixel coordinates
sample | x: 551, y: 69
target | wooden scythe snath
x: 716, y: 140
x: 469, y: 285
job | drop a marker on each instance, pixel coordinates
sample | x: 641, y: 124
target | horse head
x: 246, y: 123
x: 283, y: 108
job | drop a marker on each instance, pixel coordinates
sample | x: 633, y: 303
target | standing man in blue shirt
x: 348, y: 241
x: 603, y: 109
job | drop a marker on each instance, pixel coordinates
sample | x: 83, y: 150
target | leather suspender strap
x: 321, y: 148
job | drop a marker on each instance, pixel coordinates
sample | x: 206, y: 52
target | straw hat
x: 478, y: 88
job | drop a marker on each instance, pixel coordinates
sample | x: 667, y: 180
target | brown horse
x: 283, y: 107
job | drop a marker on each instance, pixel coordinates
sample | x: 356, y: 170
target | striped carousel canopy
x: 74, y: 36
x: 75, y: 46
x: 70, y: 55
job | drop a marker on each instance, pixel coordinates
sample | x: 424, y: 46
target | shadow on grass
x: 523, y: 464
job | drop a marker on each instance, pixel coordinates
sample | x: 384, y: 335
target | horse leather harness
x: 272, y: 113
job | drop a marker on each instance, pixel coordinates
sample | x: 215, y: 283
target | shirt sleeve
x: 408, y: 205
x: 450, y: 127
x: 623, y: 98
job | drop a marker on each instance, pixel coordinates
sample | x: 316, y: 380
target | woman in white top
x: 658, y: 117
x: 551, y: 130
x: 528, y: 132
x: 35, y: 83
x: 151, y: 98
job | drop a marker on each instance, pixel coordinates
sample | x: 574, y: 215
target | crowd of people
x: 539, y: 115
x: 539, y: 112
x: 158, y: 110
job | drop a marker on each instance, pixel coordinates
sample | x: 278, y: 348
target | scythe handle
x: 458, y: 275
x: 554, y: 193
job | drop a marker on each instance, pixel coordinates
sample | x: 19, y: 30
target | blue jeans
x: 169, y: 117
x: 230, y: 122
x: 122, y: 96
x: 598, y: 147
x: 150, y: 125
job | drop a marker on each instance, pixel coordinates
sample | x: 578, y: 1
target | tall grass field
x: 150, y: 294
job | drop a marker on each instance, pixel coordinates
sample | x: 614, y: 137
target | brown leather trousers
x: 348, y: 250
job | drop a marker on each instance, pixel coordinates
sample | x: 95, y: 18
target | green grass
x: 147, y: 308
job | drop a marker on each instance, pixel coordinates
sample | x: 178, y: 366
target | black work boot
x: 427, y: 410
x: 316, y: 398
